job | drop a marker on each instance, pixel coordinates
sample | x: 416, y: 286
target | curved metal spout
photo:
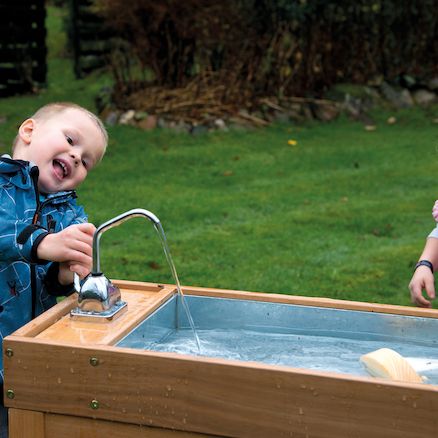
x: 98, y: 296
x: 136, y: 212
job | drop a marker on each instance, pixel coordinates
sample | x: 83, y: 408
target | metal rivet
x: 94, y: 404
x: 10, y: 393
x: 9, y: 352
x: 94, y: 361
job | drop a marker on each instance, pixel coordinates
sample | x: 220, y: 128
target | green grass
x: 344, y: 214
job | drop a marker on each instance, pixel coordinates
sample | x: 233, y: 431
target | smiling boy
x: 65, y: 141
x: 44, y: 234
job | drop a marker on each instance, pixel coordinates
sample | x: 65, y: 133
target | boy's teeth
x: 62, y: 166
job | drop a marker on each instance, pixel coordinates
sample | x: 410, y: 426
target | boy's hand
x: 66, y: 270
x: 73, y: 245
x: 422, y: 279
x: 65, y: 276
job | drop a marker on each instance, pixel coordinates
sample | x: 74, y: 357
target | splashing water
x: 166, y: 249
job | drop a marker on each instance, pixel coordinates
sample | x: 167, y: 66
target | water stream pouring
x: 98, y: 297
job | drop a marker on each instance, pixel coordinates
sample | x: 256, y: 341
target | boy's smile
x: 62, y: 168
x: 64, y: 147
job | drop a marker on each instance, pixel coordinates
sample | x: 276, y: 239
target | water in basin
x: 314, y: 338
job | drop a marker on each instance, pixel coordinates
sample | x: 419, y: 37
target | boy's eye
x: 69, y: 139
x: 85, y: 164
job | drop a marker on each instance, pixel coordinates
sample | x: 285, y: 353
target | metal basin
x: 317, y: 338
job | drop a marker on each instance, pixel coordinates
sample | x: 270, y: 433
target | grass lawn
x: 343, y: 214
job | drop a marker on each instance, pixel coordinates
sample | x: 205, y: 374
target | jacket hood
x: 17, y: 171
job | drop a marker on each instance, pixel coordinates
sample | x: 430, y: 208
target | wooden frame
x: 69, y: 371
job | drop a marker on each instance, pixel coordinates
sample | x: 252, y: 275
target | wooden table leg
x: 29, y: 424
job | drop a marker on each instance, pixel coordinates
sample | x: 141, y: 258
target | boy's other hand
x: 66, y: 270
x: 435, y: 211
x: 422, y: 279
x: 73, y: 245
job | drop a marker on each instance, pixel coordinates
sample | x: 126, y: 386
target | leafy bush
x: 269, y: 47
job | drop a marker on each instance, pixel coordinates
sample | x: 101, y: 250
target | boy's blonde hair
x: 54, y: 108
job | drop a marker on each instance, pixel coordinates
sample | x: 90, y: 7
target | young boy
x: 423, y: 275
x: 44, y: 236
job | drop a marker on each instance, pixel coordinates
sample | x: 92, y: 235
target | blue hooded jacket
x: 28, y: 286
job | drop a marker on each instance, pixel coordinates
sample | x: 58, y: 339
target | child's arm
x: 67, y: 269
x: 423, y: 278
x: 435, y: 211
x: 18, y: 239
x: 65, y: 274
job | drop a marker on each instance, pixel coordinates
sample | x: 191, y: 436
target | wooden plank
x: 144, y: 299
x: 21, y: 36
x: 26, y: 424
x: 12, y: 54
x: 87, y: 35
x: 48, y: 318
x: 22, y: 31
x: 88, y: 27
x: 67, y: 426
x: 96, y: 46
x: 10, y: 72
x: 85, y: 332
x: 51, y: 316
x: 226, y: 398
x: 141, y: 285
x: 90, y: 63
x: 312, y: 301
x: 39, y: 72
x: 9, y: 89
x: 21, y: 9
x: 21, y: 72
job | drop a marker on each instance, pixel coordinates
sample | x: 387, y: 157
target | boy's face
x: 65, y: 147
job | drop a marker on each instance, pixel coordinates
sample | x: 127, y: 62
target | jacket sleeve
x: 18, y: 238
x: 80, y: 215
x: 51, y: 282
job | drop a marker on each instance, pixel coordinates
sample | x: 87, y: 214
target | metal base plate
x: 108, y: 315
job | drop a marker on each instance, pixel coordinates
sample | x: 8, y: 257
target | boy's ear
x: 25, y: 130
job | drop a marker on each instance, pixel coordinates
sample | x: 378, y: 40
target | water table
x: 78, y: 378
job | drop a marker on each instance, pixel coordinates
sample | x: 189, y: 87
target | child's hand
x: 66, y: 270
x: 73, y: 245
x: 435, y: 211
x: 422, y: 279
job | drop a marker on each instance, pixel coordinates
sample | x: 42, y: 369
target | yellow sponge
x: 389, y: 364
